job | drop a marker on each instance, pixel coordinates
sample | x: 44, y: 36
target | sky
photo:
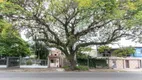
x: 23, y: 35
x: 125, y: 43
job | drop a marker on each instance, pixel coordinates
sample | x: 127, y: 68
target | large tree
x: 69, y: 25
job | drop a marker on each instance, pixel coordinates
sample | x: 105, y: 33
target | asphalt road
x: 71, y: 76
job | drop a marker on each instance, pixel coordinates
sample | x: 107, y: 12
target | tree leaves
x: 10, y: 42
x: 102, y: 49
x: 9, y: 8
x: 1, y: 1
x: 85, y: 3
x: 123, y: 52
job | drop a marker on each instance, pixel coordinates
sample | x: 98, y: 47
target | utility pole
x: 88, y: 60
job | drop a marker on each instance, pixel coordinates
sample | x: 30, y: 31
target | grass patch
x: 81, y: 68
x: 77, y: 68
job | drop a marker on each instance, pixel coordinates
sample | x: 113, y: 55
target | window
x: 106, y: 54
x: 141, y: 51
x: 52, y: 61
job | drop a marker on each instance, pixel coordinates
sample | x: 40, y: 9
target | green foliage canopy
x: 83, y: 52
x: 11, y: 44
x: 103, y: 49
x: 123, y: 52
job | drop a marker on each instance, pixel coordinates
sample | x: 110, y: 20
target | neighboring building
x: 56, y: 58
x: 107, y: 53
x: 133, y: 61
x: 92, y: 53
x: 138, y: 52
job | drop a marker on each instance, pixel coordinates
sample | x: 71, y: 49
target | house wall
x: 93, y: 53
x: 56, y: 58
x: 134, y: 63
x: 119, y: 63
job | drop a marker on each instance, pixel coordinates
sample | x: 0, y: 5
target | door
x: 140, y: 63
x: 127, y: 64
x: 54, y: 62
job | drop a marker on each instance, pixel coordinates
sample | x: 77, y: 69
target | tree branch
x: 47, y: 26
x: 83, y: 32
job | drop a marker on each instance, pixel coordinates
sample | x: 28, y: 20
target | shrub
x: 82, y: 68
x: 67, y: 68
x: 77, y: 68
x: 29, y: 62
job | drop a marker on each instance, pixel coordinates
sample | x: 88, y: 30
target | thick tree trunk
x: 72, y: 64
x: 72, y: 61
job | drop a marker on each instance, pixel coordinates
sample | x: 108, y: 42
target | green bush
x: 29, y: 62
x: 67, y: 68
x: 77, y: 68
x: 93, y: 62
x: 82, y: 68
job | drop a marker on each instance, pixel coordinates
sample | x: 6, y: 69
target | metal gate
x: 13, y: 62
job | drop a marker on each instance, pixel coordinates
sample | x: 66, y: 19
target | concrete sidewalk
x: 62, y: 70
x: 130, y: 70
x: 103, y: 70
x: 31, y: 70
x: 115, y: 70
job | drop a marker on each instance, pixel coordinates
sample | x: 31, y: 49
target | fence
x: 3, y: 61
x: 13, y: 62
x: 94, y: 62
x: 33, y: 62
x: 112, y: 62
x: 125, y: 63
x: 101, y: 63
x: 16, y: 62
